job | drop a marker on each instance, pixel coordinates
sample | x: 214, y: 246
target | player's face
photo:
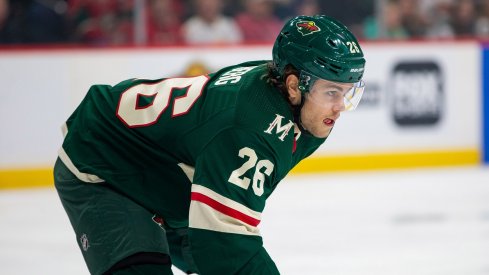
x: 322, y: 106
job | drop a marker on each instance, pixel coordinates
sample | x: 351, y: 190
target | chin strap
x: 297, y: 117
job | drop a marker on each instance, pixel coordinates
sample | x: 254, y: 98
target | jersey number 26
x: 237, y: 176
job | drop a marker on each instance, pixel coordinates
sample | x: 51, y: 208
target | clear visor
x: 328, y: 93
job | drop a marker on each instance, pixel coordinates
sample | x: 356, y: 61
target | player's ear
x: 292, y: 84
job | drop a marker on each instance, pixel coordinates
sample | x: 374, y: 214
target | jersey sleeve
x: 233, y: 177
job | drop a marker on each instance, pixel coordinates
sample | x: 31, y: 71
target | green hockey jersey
x: 204, y: 152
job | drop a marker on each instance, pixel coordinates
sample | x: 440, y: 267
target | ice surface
x: 411, y: 222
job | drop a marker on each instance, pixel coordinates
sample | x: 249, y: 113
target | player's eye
x: 333, y: 94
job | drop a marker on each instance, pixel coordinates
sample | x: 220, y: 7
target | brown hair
x: 278, y: 81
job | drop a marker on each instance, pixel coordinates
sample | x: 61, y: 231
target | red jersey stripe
x: 224, y: 209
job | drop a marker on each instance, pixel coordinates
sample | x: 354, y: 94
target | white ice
x: 411, y: 222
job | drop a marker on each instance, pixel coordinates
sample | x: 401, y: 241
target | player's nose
x: 339, y: 106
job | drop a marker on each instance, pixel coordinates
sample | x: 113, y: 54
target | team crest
x: 307, y: 27
x: 280, y: 131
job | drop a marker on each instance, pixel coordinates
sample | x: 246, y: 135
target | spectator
x: 4, y: 13
x: 34, y: 22
x: 122, y: 32
x: 413, y: 20
x: 306, y: 7
x: 482, y: 21
x: 288, y: 9
x: 351, y: 12
x: 86, y: 17
x: 103, y: 22
x: 258, y: 22
x: 389, y: 26
x: 165, y: 22
x: 210, y: 26
x: 439, y: 25
x: 463, y: 18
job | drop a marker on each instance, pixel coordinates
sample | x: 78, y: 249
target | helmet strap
x: 297, y: 116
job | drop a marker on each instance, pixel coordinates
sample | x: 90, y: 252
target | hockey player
x: 177, y: 170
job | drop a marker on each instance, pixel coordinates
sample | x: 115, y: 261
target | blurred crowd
x: 180, y: 22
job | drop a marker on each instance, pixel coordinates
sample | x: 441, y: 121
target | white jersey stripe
x: 69, y: 164
x: 81, y: 176
x: 202, y: 216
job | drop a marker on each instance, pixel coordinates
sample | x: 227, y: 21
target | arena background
x: 423, y: 104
